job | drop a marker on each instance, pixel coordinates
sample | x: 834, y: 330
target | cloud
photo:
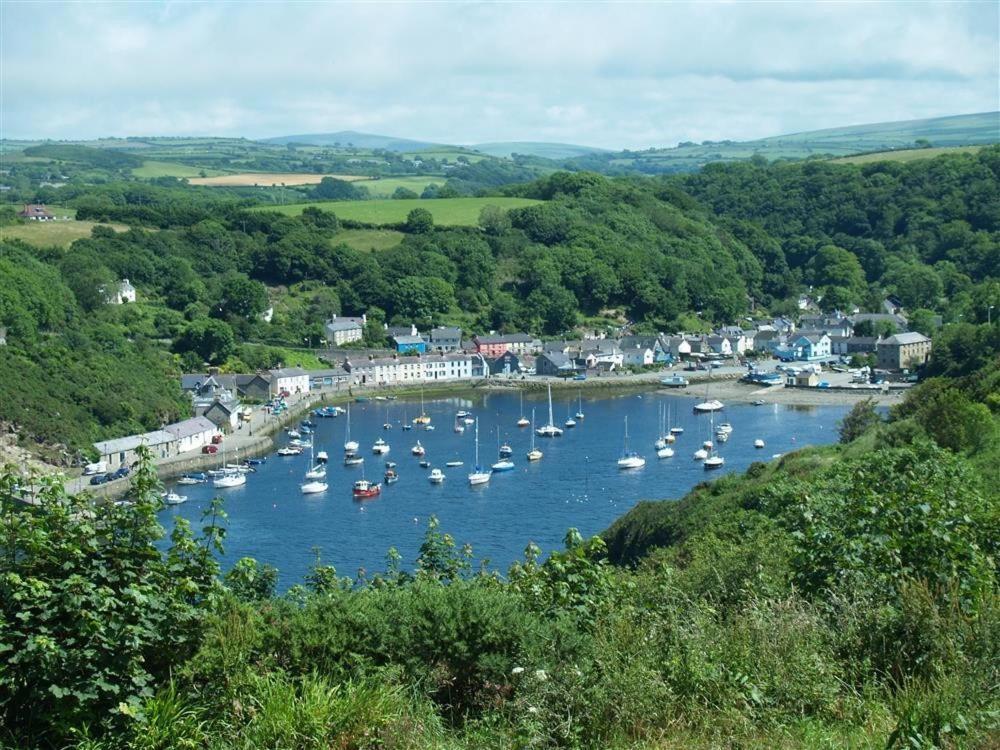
x: 614, y: 75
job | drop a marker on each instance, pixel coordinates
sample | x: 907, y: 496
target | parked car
x: 209, y: 449
x: 579, y: 376
x: 100, y: 479
x: 120, y: 472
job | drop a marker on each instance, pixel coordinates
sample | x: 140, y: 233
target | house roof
x: 131, y: 442
x: 558, y: 359
x: 638, y: 342
x: 35, y: 210
x: 345, y: 324
x: 288, y: 372
x: 904, y: 338
x: 408, y: 339
x: 442, y: 332
x: 189, y: 427
x: 332, y: 372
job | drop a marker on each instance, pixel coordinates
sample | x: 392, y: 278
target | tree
x: 404, y: 194
x: 240, y: 296
x: 320, y: 218
x: 858, y: 420
x: 494, y: 221
x: 422, y: 297
x: 330, y: 188
x: 419, y: 221
x: 833, y: 266
x: 210, y: 339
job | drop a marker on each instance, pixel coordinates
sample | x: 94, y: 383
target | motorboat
x: 630, y: 459
x: 172, y: 498
x: 462, y: 414
x: 701, y: 454
x: 665, y: 452
x: 313, y: 488
x: 297, y: 443
x: 478, y: 475
x: 390, y: 464
x: 418, y: 449
x: 707, y: 445
x: 758, y: 402
x: 353, y: 459
x: 453, y: 464
x: 293, y: 433
x: 550, y: 429
x: 195, y: 478
x: 714, y: 462
x: 724, y: 427
x: 256, y: 461
x: 390, y: 476
x: 429, y: 427
x: 506, y: 451
x: 289, y: 450
x: 503, y: 465
x: 758, y: 443
x: 469, y: 420
x: 322, y: 457
x: 365, y: 490
x: 436, y: 476
x: 380, y: 447
x: 425, y: 464
x: 230, y: 479
x: 676, y: 431
x: 459, y: 428
x: 674, y: 381
x: 721, y: 436
x: 709, y: 406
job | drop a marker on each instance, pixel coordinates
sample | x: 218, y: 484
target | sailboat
x: 534, y: 454
x: 314, y: 487
x: 405, y: 424
x: 630, y: 459
x: 423, y: 418
x: 504, y: 464
x: 523, y: 421
x: 418, y: 449
x: 318, y: 470
x: 669, y: 435
x: 387, y: 425
x: 708, y: 405
x: 229, y: 477
x: 550, y: 429
x: 349, y: 445
x: 663, y: 450
x: 479, y: 475
x: 570, y: 422
x: 579, y: 409
x: 713, y: 460
x: 661, y: 441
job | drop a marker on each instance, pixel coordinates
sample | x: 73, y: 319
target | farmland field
x: 910, y: 154
x: 49, y: 233
x: 446, y: 211
x: 384, y: 187
x: 150, y: 169
x: 249, y: 179
x: 368, y: 239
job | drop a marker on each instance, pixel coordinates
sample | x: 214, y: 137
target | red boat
x: 365, y: 490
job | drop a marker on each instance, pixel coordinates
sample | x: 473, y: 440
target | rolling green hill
x: 959, y: 130
x: 355, y: 139
x: 544, y: 150
x: 446, y: 211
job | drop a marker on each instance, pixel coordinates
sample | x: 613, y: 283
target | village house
x: 808, y: 379
x: 848, y: 345
x: 675, y: 348
x: 507, y: 363
x: 289, y: 380
x: 720, y: 345
x: 119, y: 295
x: 634, y: 350
x: 834, y: 325
x: 555, y: 363
x: 35, y: 212
x: 431, y: 367
x: 192, y: 434
x: 806, y: 347
x: 330, y: 378
x: 343, y: 330
x: 903, y: 351
x: 409, y: 343
x: 454, y: 366
x: 124, y: 451
x: 740, y: 339
x: 223, y: 414
x: 445, y: 338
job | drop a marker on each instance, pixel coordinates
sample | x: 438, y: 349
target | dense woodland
x: 844, y: 596
x: 661, y: 254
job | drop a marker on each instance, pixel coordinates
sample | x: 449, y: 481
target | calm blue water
x: 577, y: 483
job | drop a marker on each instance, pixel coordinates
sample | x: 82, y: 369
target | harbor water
x: 576, y: 484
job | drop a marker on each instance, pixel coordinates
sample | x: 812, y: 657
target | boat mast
x: 551, y: 420
x: 532, y: 429
x: 477, y: 443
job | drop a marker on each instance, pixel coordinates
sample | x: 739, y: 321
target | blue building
x: 410, y: 343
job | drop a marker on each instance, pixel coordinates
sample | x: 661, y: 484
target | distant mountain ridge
x: 352, y: 138
x: 543, y: 149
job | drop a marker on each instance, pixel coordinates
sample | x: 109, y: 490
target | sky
x: 616, y: 75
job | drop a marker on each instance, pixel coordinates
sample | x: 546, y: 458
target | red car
x: 216, y: 439
x: 209, y: 449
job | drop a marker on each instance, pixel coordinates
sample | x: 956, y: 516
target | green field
x: 368, y: 240
x: 454, y: 212
x: 151, y: 169
x: 909, y: 154
x: 49, y: 233
x: 384, y: 187
x: 442, y: 154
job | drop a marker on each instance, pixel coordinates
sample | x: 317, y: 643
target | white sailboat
x: 550, y: 429
x: 478, y: 475
x: 579, y: 409
x: 504, y: 464
x: 713, y: 460
x: 314, y: 487
x: 318, y: 470
x: 523, y: 421
x: 663, y: 450
x: 570, y: 422
x: 349, y: 445
x: 708, y: 405
x: 534, y: 454
x: 630, y: 459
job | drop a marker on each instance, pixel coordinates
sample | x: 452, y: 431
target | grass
x: 446, y: 211
x: 368, y: 239
x: 299, y: 357
x: 151, y: 169
x: 249, y: 179
x: 384, y: 187
x: 909, y: 154
x: 49, y: 233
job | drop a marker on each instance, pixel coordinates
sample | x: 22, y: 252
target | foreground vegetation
x: 845, y: 596
x: 463, y: 212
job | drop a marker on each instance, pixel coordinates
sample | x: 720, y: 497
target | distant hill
x: 535, y: 148
x: 346, y: 138
x: 959, y: 130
